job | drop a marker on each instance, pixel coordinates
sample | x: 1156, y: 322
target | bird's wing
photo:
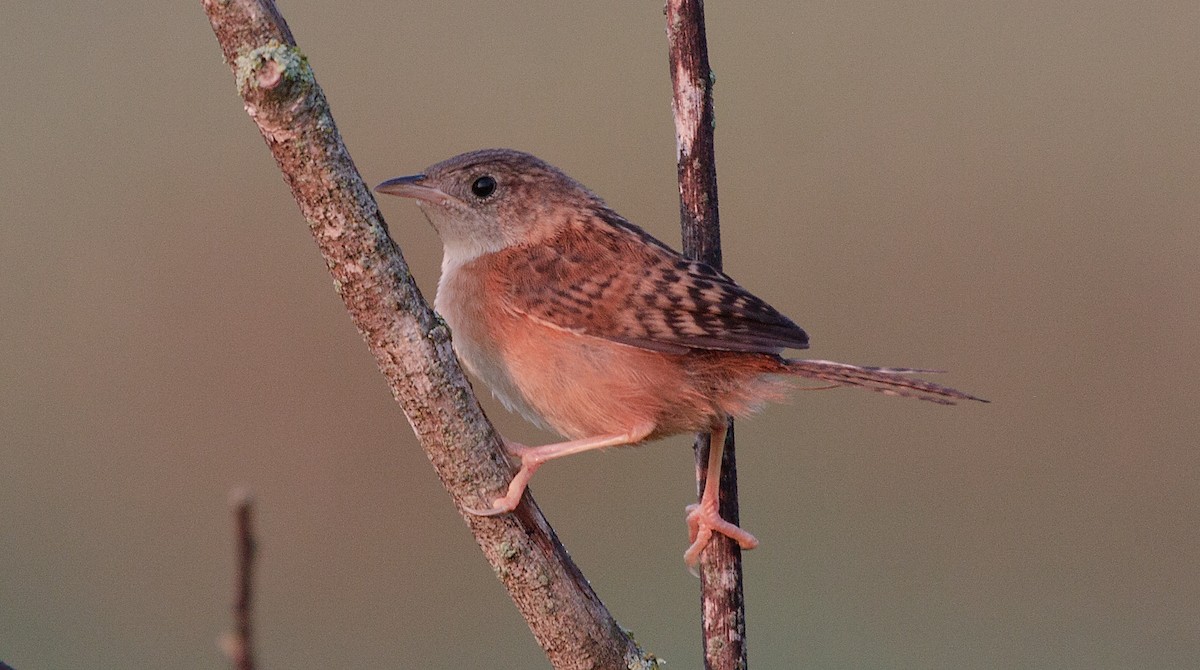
x: 610, y: 279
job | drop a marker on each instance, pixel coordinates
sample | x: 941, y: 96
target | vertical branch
x: 238, y: 644
x: 692, y: 106
x: 722, y: 606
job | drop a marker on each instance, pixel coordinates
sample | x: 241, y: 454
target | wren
x: 589, y: 326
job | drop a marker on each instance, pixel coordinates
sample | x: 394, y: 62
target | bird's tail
x: 889, y: 381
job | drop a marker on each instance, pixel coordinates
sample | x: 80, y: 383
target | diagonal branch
x: 410, y: 344
x: 722, y: 607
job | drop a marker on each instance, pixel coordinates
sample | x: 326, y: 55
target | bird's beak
x: 412, y: 187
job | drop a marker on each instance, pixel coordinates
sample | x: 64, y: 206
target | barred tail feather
x: 889, y: 381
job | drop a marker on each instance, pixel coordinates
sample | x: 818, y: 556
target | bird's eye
x: 484, y: 186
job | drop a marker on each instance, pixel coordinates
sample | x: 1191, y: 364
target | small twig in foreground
x: 238, y: 643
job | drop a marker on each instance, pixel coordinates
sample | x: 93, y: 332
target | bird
x: 590, y: 327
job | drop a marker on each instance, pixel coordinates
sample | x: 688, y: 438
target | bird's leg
x: 705, y: 517
x: 532, y: 458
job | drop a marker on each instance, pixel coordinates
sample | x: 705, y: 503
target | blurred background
x: 1005, y: 191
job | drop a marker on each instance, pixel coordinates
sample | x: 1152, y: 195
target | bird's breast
x: 471, y: 306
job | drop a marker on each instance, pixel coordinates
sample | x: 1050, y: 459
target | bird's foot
x: 703, y: 519
x: 530, y: 462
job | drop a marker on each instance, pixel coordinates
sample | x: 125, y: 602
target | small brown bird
x: 589, y: 326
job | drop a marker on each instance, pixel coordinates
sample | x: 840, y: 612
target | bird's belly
x: 584, y: 386
x: 481, y: 360
x: 481, y: 354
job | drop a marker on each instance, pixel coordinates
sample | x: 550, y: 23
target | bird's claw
x: 499, y: 506
x: 516, y: 487
x: 702, y: 521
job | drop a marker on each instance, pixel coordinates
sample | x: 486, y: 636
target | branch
x: 722, y: 606
x: 238, y: 643
x: 410, y: 344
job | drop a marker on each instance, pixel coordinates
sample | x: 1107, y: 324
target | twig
x: 410, y: 344
x: 722, y: 607
x: 239, y: 643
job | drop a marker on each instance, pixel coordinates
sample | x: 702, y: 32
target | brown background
x: 1007, y: 191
